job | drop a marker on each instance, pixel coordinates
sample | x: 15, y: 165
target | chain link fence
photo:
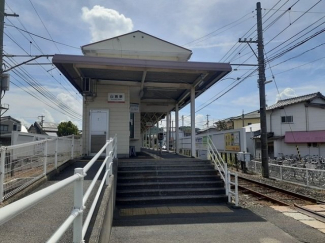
x: 23, y: 164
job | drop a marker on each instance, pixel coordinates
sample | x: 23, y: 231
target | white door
x: 98, y: 130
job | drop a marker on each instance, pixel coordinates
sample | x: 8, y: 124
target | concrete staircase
x: 160, y: 182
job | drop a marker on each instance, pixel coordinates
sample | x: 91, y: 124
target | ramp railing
x: 225, y: 174
x: 80, y: 198
x: 23, y: 164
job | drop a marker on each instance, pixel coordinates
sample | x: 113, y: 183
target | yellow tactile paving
x: 174, y: 210
x: 163, y: 210
x: 200, y: 209
x: 139, y: 211
x: 151, y: 210
x: 188, y: 210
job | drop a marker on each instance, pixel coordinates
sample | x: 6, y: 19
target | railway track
x: 282, y: 197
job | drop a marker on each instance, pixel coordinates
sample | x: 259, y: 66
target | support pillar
x: 193, y: 148
x: 157, y: 142
x: 167, y: 131
x: 176, y: 130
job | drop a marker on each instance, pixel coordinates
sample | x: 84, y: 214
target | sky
x: 210, y: 28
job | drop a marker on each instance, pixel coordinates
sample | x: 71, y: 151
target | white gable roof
x: 137, y: 45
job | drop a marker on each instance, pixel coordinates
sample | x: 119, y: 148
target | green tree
x: 67, y: 128
x: 221, y: 125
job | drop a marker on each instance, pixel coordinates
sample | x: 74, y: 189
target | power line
x: 44, y: 25
x: 57, y: 42
x: 39, y: 65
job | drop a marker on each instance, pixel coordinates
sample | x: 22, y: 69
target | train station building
x: 132, y: 81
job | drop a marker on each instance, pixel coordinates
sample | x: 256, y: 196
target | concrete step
x: 159, y: 200
x: 166, y: 185
x: 171, y: 178
x: 147, y: 173
x: 166, y: 167
x: 168, y: 192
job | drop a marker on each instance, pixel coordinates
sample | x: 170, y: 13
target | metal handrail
x: 222, y: 167
x: 12, y: 210
x: 79, y: 229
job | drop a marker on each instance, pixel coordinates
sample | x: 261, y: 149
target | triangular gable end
x: 137, y: 45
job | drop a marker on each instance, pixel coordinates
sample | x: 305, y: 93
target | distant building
x: 249, y: 119
x: 187, y: 130
x: 8, y: 125
x: 238, y: 121
x: 298, y: 121
x: 48, y: 128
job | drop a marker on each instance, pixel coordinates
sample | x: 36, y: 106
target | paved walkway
x: 38, y: 223
x: 196, y: 224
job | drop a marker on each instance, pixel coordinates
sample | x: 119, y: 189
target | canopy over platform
x: 159, y: 84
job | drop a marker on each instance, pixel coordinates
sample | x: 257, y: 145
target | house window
x: 287, y: 119
x: 4, y: 128
x: 14, y: 127
x: 249, y: 123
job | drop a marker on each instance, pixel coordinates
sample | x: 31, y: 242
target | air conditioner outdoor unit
x: 87, y: 88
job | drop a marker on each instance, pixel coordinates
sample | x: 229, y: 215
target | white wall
x: 119, y: 116
x: 304, y: 119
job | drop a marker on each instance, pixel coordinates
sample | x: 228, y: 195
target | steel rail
x: 311, y: 213
x: 295, y: 194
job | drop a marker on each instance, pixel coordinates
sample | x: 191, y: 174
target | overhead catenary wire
x: 12, y: 39
x: 34, y: 43
x: 44, y: 25
x: 42, y: 90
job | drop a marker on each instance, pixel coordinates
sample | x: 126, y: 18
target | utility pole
x: 261, y: 84
x: 4, y: 80
x: 42, y: 120
x: 182, y: 120
x: 242, y: 118
x: 208, y: 121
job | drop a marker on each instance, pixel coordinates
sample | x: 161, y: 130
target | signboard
x: 148, y: 124
x: 232, y: 142
x: 116, y: 98
x: 201, y: 142
x: 134, y: 108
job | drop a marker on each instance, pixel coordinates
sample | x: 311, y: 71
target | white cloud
x: 105, y: 23
x: 285, y: 94
x: 48, y: 116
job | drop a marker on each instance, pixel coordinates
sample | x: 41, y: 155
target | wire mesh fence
x: 302, y: 176
x: 23, y: 164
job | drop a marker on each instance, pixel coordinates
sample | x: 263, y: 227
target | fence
x: 23, y: 164
x: 224, y: 173
x: 80, y: 226
x: 302, y: 176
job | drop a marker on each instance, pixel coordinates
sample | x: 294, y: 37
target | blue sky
x: 209, y: 28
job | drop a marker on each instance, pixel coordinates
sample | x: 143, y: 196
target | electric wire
x: 65, y: 88
x: 11, y: 38
x: 44, y: 25
x: 44, y: 38
x: 43, y: 91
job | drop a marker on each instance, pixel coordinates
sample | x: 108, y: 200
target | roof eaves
x: 136, y: 32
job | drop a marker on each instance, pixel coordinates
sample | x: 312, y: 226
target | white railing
x: 303, y: 176
x: 23, y: 164
x: 225, y: 174
x: 80, y: 198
